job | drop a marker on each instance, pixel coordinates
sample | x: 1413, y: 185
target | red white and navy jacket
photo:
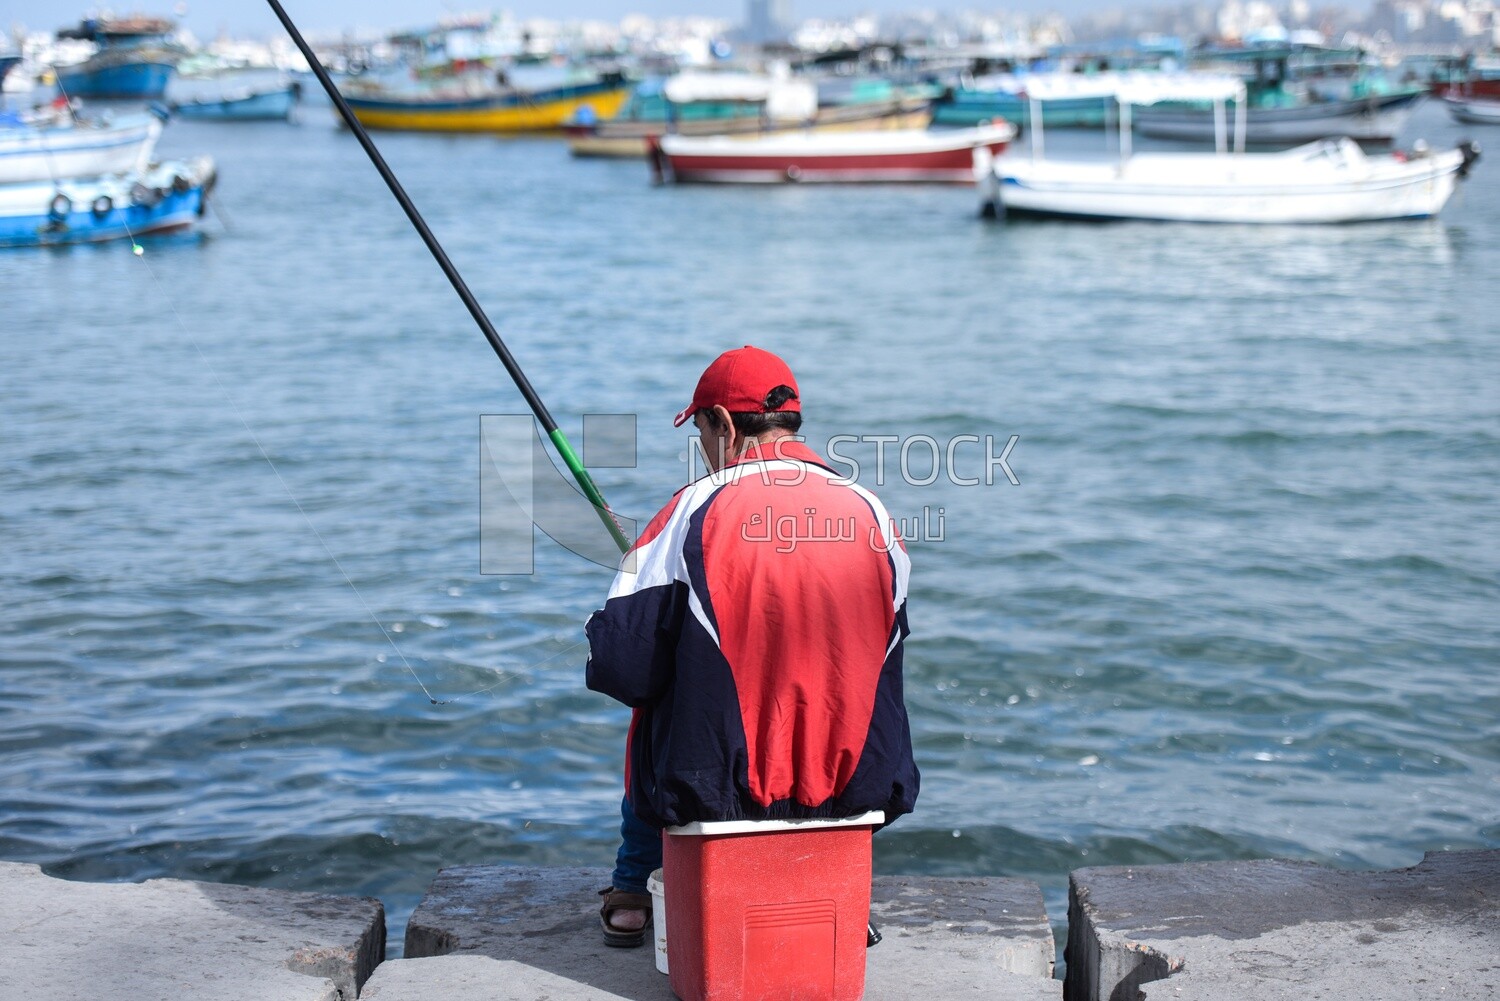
x: 759, y: 640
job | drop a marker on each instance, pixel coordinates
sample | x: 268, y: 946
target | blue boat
x: 135, y: 60
x: 275, y: 104
x: 167, y: 196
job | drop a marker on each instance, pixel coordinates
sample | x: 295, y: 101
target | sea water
x: 1241, y: 600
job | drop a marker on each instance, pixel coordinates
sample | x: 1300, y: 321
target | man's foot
x: 624, y: 917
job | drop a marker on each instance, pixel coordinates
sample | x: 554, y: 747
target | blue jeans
x: 640, y: 852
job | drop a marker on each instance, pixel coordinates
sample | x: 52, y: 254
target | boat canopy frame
x: 1131, y: 89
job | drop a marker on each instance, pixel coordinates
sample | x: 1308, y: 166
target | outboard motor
x: 1470, y: 150
x: 657, y: 159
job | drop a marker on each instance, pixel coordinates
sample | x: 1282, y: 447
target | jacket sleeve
x: 633, y: 638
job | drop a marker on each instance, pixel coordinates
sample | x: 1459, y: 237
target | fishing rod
x: 554, y: 433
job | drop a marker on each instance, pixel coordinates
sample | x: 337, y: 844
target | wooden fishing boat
x: 503, y: 110
x: 699, y: 103
x: 1468, y: 77
x: 56, y: 145
x: 706, y: 104
x: 166, y: 196
x: 135, y: 59
x: 631, y: 140
x: 270, y: 104
x: 1474, y: 110
x: 873, y: 156
x: 1004, y: 96
x: 1328, y: 181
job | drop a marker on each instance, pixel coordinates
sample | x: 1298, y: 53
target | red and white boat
x: 875, y: 156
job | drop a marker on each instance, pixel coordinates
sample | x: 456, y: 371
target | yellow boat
x: 502, y: 111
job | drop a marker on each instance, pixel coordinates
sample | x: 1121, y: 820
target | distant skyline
x: 253, y: 18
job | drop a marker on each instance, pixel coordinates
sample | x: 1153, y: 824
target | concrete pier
x: 1279, y: 931
x: 172, y: 939
x: 1213, y: 931
x: 487, y: 933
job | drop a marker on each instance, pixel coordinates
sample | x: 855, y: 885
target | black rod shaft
x: 543, y: 415
x: 459, y: 285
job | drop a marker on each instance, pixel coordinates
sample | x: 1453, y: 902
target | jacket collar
x: 784, y: 449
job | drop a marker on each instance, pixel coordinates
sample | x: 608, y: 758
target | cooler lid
x: 706, y: 827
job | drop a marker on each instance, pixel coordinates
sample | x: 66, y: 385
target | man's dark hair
x: 775, y: 419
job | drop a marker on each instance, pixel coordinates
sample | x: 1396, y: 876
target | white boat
x: 1372, y: 119
x: 1328, y: 181
x: 1473, y: 110
x: 876, y: 155
x: 60, y: 147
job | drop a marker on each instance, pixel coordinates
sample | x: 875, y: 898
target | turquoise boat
x: 1007, y: 99
x: 998, y: 88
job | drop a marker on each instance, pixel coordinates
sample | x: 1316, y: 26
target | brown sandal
x: 619, y: 900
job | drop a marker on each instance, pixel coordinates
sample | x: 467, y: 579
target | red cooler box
x: 771, y: 909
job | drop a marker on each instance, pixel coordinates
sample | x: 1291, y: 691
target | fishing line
x: 549, y: 424
x: 73, y: 116
x: 544, y: 417
x: 224, y: 391
x: 505, y: 676
x: 546, y: 660
x: 161, y: 289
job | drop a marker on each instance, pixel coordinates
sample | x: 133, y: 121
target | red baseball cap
x: 739, y: 381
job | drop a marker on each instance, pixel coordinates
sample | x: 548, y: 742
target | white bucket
x: 659, y: 918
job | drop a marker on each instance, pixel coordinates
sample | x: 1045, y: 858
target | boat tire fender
x: 142, y: 195
x: 103, y: 206
x: 794, y: 173
x: 60, y: 208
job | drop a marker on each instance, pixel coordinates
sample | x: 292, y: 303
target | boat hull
x: 138, y: 80
x: 42, y: 154
x: 265, y: 106
x: 1486, y: 88
x: 167, y: 197
x: 970, y: 107
x: 538, y: 111
x: 1472, y: 111
x: 632, y: 140
x: 1248, y: 188
x: 1376, y: 119
x: 876, y: 157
